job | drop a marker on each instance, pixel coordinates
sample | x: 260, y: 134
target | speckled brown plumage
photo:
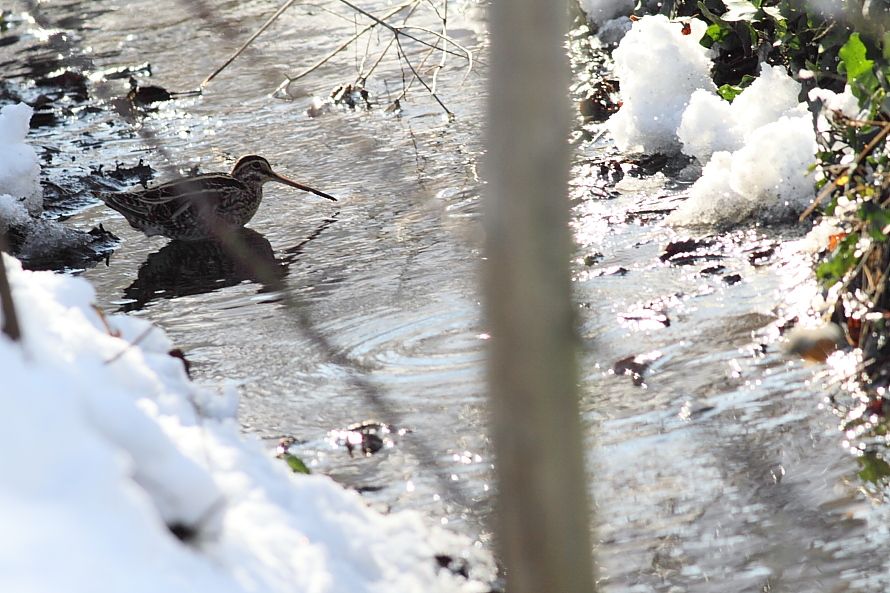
x: 202, y: 206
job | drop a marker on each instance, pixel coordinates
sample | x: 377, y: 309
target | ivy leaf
x: 854, y: 57
x: 296, y: 464
x: 874, y: 469
x: 716, y: 32
x: 857, y: 66
x: 729, y: 92
x: 841, y: 261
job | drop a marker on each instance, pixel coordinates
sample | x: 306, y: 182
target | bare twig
x: 395, y: 30
x: 469, y: 54
x: 132, y: 344
x: 407, y: 87
x: 885, y: 130
x: 244, y: 46
x: 290, y: 79
x: 423, y: 82
x: 363, y: 76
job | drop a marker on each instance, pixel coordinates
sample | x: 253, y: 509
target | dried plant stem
x: 469, y: 54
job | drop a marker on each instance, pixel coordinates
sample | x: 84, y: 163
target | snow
x: 659, y: 68
x: 611, y: 32
x: 755, y: 151
x: 20, y: 192
x: 766, y: 179
x: 21, y: 199
x: 710, y: 123
x: 108, y: 443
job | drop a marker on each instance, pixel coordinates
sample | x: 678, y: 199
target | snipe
x: 202, y: 206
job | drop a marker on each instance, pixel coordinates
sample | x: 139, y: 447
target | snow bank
x: 757, y: 152
x: 710, y: 124
x: 107, y: 445
x: 659, y: 68
x: 20, y: 192
x: 766, y: 179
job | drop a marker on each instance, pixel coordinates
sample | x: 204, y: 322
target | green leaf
x: 296, y: 464
x: 729, y: 92
x: 874, y: 469
x: 717, y: 32
x: 840, y: 262
x: 857, y: 66
x: 854, y: 57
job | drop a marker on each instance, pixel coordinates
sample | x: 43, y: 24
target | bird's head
x: 253, y: 169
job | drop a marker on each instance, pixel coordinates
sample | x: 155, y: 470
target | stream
x: 717, y: 467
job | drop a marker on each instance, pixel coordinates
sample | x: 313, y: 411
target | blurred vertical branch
x: 7, y: 306
x: 543, y: 509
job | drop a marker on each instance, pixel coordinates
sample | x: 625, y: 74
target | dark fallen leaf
x: 761, y: 257
x: 732, y: 279
x: 683, y: 246
x: 178, y: 353
x: 712, y: 270
x: 146, y: 95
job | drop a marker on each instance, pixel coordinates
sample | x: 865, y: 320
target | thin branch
x: 423, y: 82
x: 407, y: 87
x: 241, y: 49
x: 132, y: 344
x: 363, y: 77
x: 290, y: 79
x: 442, y: 36
x: 856, y: 164
x: 395, y: 30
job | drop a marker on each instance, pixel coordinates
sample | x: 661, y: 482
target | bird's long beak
x: 292, y: 183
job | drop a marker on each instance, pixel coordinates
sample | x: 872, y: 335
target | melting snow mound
x: 20, y: 192
x: 766, y: 179
x: 757, y: 151
x: 659, y: 68
x: 109, y: 447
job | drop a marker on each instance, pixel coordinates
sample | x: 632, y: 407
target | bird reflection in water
x: 186, y: 268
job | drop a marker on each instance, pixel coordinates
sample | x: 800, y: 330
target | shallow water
x: 720, y: 473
